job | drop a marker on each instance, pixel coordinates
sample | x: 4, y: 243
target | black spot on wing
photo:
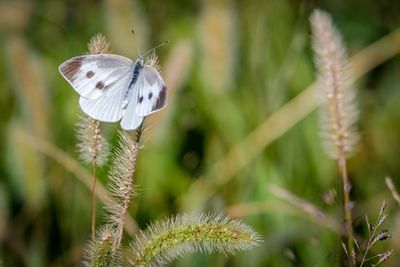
x: 140, y: 100
x: 100, y: 85
x: 89, y: 74
x: 150, y: 95
x: 161, y: 99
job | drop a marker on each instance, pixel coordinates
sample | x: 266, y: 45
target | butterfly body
x: 114, y: 88
x: 137, y: 67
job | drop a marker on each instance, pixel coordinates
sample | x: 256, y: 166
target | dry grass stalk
x: 92, y: 145
x: 92, y: 148
x: 338, y: 110
x: 305, y: 206
x: 393, y: 190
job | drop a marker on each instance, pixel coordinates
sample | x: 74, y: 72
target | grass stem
x: 94, y: 199
x: 347, y: 206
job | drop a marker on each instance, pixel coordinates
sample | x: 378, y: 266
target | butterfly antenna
x: 137, y: 47
x: 154, y: 48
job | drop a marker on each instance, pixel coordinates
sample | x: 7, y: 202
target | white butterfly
x: 114, y: 87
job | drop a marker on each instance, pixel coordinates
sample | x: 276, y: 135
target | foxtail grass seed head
x: 152, y: 60
x: 167, y: 240
x: 98, y: 45
x: 92, y: 146
x: 100, y: 250
x: 121, y: 184
x: 338, y: 110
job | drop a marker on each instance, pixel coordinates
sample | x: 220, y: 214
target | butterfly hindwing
x: 130, y: 121
x: 150, y: 92
x: 93, y: 76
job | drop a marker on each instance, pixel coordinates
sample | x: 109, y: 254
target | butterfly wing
x: 93, y: 76
x: 108, y: 108
x: 130, y: 121
x: 149, y: 95
x: 150, y: 92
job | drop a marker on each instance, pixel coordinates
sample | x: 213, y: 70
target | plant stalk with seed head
x: 338, y: 110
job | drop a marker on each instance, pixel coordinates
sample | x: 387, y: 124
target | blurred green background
x: 230, y: 65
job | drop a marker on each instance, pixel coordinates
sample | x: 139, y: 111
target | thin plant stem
x: 372, y: 238
x: 342, y: 164
x: 120, y: 231
x: 369, y: 244
x: 94, y: 199
x: 304, y: 206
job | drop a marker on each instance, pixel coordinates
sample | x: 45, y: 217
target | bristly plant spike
x: 92, y: 146
x: 167, y: 240
x: 98, y: 44
x: 100, y: 249
x: 121, y: 184
x: 338, y: 110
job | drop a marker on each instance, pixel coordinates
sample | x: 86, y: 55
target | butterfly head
x: 140, y: 61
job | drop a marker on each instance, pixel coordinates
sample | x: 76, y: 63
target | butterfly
x: 114, y: 88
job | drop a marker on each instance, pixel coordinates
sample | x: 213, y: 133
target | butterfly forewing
x: 108, y: 108
x: 93, y: 76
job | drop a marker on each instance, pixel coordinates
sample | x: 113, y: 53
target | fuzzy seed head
x: 121, y: 177
x: 152, y: 60
x: 92, y: 146
x: 167, y: 240
x: 100, y: 251
x: 98, y: 44
x: 338, y: 110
